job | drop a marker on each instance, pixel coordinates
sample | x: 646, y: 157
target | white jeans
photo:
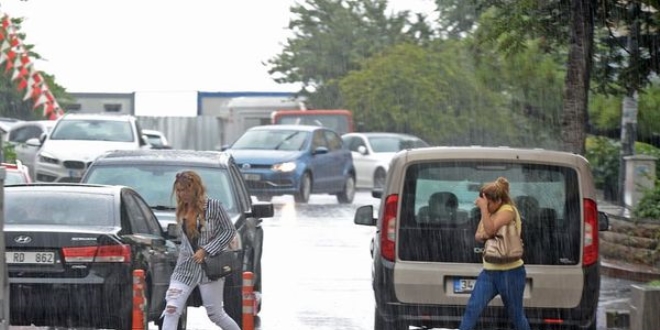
x: 177, y: 296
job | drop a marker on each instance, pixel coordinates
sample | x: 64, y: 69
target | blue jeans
x: 509, y: 284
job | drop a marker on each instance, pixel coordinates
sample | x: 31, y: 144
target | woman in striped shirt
x: 203, y: 221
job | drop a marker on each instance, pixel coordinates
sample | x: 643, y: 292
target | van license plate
x: 30, y: 257
x: 464, y: 285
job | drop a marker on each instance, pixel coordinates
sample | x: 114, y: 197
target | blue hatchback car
x: 297, y: 160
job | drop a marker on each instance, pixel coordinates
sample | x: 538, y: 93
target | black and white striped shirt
x: 214, y: 236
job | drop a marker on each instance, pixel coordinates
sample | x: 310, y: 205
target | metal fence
x: 195, y: 133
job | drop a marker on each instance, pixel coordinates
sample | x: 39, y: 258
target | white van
x: 425, y: 257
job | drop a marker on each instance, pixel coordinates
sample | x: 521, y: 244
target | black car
x: 152, y: 172
x: 71, y: 251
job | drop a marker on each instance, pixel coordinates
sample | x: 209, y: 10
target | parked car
x: 152, y: 172
x: 16, y: 173
x: 297, y: 160
x: 373, y: 151
x: 77, y: 139
x: 425, y: 257
x: 71, y: 251
x: 25, y: 131
x: 5, y: 124
x: 156, y: 138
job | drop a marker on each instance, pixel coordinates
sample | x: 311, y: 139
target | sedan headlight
x: 48, y: 158
x: 285, y: 167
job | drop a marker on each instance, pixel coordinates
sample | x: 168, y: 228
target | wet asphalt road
x: 316, y: 270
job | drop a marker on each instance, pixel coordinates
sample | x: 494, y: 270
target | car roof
x: 375, y: 134
x: 168, y: 156
x: 69, y: 187
x: 97, y: 116
x: 152, y: 132
x: 480, y: 152
x: 306, y: 128
x: 44, y: 123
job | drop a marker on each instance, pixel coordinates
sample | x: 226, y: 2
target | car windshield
x: 154, y: 140
x: 154, y: 182
x: 93, y: 130
x: 58, y: 208
x: 272, y: 140
x: 394, y: 143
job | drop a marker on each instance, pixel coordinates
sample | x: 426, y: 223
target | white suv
x: 77, y: 139
x: 425, y: 258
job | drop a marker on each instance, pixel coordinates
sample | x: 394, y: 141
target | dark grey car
x: 151, y: 173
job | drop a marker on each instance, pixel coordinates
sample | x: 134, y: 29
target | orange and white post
x: 248, y: 301
x: 139, y: 313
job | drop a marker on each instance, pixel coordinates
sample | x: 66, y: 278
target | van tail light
x: 590, y: 251
x: 388, y: 230
x: 102, y: 253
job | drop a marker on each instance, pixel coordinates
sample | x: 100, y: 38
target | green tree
x: 428, y: 91
x: 332, y: 37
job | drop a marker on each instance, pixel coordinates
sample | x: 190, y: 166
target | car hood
x: 82, y: 150
x: 263, y: 157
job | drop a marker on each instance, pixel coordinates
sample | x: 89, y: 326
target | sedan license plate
x: 30, y: 257
x: 464, y: 285
x: 252, y: 177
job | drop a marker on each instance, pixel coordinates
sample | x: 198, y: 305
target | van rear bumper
x: 449, y: 316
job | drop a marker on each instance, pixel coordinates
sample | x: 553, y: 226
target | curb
x: 628, y: 271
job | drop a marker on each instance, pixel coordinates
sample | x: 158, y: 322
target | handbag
x: 218, y: 265
x: 505, y: 247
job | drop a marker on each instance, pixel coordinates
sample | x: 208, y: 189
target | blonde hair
x: 190, y: 180
x: 497, y: 190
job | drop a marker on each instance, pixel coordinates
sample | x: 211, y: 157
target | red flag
x: 6, y: 22
x: 22, y: 84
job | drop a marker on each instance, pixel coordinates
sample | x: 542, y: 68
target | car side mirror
x: 362, y: 150
x: 364, y: 215
x: 321, y: 150
x: 42, y: 138
x: 33, y: 142
x: 172, y: 232
x: 262, y: 210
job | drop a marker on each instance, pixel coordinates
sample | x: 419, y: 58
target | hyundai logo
x: 23, y: 239
x: 246, y: 166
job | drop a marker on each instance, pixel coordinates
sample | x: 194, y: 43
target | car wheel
x: 348, y: 193
x: 379, y: 178
x: 305, y: 189
x: 381, y: 323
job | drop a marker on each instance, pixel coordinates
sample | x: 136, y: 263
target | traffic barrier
x: 139, y: 298
x: 248, y: 301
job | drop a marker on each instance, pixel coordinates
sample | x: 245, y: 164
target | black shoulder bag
x: 218, y: 265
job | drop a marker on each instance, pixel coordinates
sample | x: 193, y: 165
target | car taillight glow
x: 590, y: 251
x: 388, y: 231
x: 103, y: 253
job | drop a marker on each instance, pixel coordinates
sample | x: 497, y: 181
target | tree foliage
x: 332, y: 38
x: 428, y: 91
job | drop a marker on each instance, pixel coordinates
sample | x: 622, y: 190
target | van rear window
x: 439, y: 219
